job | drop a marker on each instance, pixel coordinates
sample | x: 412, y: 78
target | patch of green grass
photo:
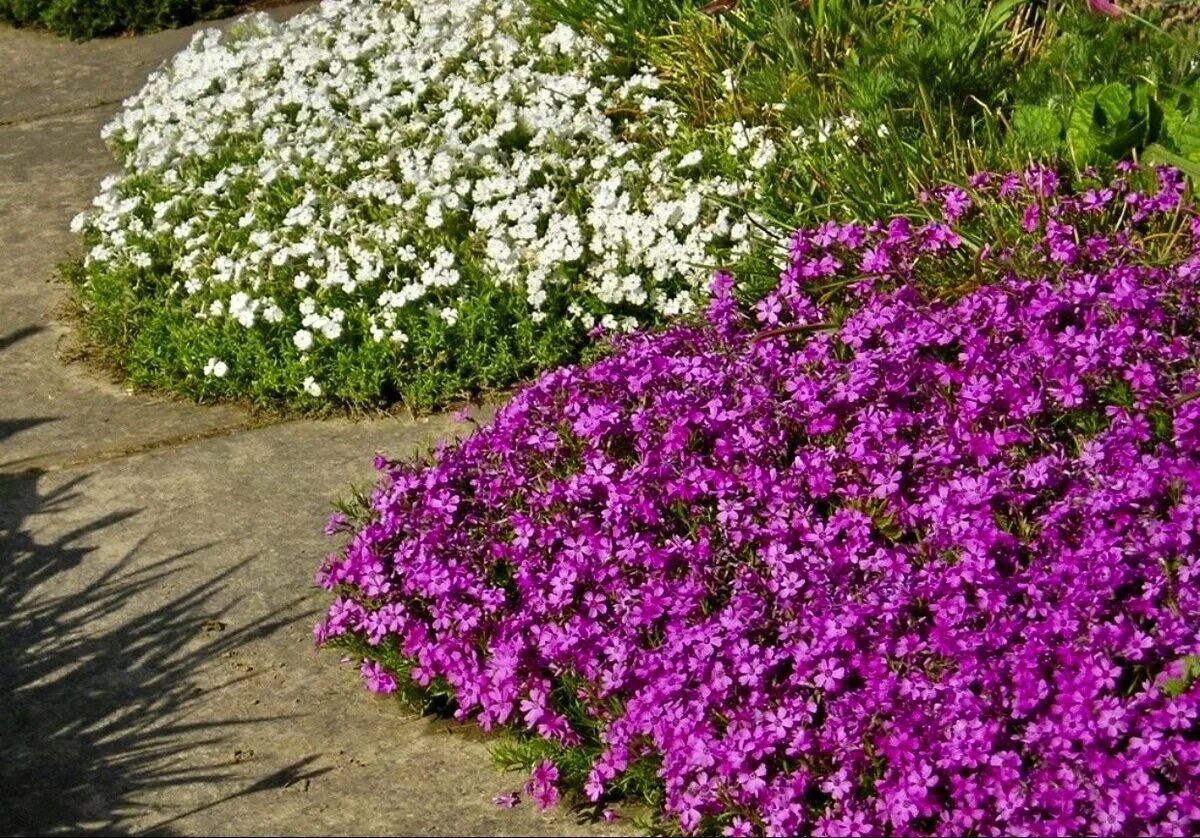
x: 83, y: 19
x: 934, y: 88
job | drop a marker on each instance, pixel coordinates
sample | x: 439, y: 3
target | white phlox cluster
x: 336, y: 175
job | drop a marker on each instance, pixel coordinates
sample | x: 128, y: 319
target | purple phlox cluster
x: 928, y: 567
x: 542, y: 787
x: 377, y: 679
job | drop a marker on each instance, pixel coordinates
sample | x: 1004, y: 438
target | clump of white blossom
x: 359, y: 172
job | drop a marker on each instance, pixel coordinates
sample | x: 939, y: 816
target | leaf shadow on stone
x: 18, y: 335
x: 100, y: 703
x: 10, y: 427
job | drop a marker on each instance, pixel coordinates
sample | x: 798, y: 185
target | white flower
x: 764, y: 155
x: 215, y: 368
x: 364, y: 157
x: 312, y: 387
x: 243, y: 309
x: 739, y: 138
x: 824, y: 130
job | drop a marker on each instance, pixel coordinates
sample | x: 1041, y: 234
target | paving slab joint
x: 20, y: 121
x: 43, y: 463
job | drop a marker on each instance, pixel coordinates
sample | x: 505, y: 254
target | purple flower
x: 955, y: 203
x: 1105, y: 7
x: 377, y: 679
x: 335, y: 524
x: 541, y: 786
x: 738, y: 827
x: 507, y: 801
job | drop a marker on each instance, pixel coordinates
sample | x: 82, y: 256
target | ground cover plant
x: 907, y: 548
x: 394, y: 200
x: 90, y: 18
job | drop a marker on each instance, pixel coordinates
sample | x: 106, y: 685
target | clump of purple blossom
x: 922, y: 564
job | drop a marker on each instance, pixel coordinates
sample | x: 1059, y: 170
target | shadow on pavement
x: 103, y: 697
x: 19, y: 335
x: 98, y: 698
x: 9, y: 427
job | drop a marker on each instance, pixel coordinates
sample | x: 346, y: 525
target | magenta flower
x: 377, y: 679
x: 541, y: 786
x: 335, y: 524
x: 738, y: 828
x: 1105, y: 7
x: 507, y: 801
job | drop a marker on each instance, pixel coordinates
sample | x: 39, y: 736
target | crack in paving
x: 44, y: 463
x: 22, y: 121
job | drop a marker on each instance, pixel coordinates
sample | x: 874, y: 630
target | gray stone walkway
x: 156, y: 664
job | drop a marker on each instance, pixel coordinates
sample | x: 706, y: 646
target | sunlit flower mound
x: 924, y: 566
x: 392, y: 199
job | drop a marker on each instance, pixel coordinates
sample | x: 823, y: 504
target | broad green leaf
x: 1125, y: 137
x: 1081, y: 127
x: 1157, y: 154
x: 1037, y: 128
x: 1181, y: 126
x: 1103, y: 124
x: 1112, y: 100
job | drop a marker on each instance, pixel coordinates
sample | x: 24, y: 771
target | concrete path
x: 156, y: 664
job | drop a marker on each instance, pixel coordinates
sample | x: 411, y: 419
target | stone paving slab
x: 51, y: 162
x: 158, y: 667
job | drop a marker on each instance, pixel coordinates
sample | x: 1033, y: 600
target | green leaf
x: 1112, y: 104
x: 1104, y: 123
x: 1157, y: 154
x: 1037, y: 128
x: 1083, y: 135
x: 1181, y: 127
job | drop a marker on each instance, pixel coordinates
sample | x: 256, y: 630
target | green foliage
x: 1117, y: 121
x: 1189, y: 674
x: 83, y: 19
x: 1109, y: 122
x: 493, y: 344
x: 939, y: 88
